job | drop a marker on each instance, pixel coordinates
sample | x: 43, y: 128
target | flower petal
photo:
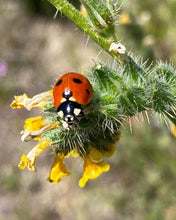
x: 30, y: 159
x: 58, y: 169
x: 110, y: 150
x: 173, y: 129
x: 29, y: 103
x: 34, y: 124
x: 96, y: 155
x: 73, y: 153
x: 24, y: 162
x: 35, y: 127
x: 92, y: 170
x: 19, y: 100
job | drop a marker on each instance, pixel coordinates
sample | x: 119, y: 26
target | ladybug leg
x: 60, y: 120
x: 76, y: 122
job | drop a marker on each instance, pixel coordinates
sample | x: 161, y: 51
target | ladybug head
x: 69, y: 111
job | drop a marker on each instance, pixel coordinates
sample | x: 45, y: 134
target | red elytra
x: 79, y: 86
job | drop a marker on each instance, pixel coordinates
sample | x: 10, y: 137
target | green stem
x: 66, y: 8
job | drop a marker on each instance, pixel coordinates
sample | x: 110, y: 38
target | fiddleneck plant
x: 120, y: 92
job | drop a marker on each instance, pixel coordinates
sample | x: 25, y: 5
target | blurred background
x: 34, y: 48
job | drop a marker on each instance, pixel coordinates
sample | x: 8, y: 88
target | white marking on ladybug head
x: 67, y: 92
x: 63, y: 100
x: 76, y: 111
x: 68, y: 108
x: 72, y: 99
x: 69, y: 118
x: 61, y: 114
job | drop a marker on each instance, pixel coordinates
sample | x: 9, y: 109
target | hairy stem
x: 82, y: 22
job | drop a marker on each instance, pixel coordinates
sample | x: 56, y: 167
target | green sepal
x: 106, y: 78
x: 131, y: 101
x: 108, y: 105
x: 168, y: 72
x: 100, y: 16
x: 163, y: 88
x: 161, y: 95
x: 49, y: 106
x: 133, y: 70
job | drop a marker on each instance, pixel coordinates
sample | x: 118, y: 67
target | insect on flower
x: 70, y: 92
x: 74, y: 123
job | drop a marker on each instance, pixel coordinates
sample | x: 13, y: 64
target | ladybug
x: 70, y: 93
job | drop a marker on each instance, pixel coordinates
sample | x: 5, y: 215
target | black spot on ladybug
x: 59, y: 82
x: 88, y: 92
x: 76, y: 80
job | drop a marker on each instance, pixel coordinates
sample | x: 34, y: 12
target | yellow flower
x: 30, y: 159
x: 173, y: 129
x: 110, y: 150
x: 97, y: 155
x: 34, y: 124
x: 23, y: 101
x: 19, y: 101
x: 73, y: 153
x: 124, y: 18
x: 49, y: 133
x: 92, y: 170
x: 58, y: 169
x: 34, y: 127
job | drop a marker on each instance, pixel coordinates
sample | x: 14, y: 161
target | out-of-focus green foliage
x: 38, y: 7
x: 151, y: 31
x: 149, y: 166
x: 43, y: 7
